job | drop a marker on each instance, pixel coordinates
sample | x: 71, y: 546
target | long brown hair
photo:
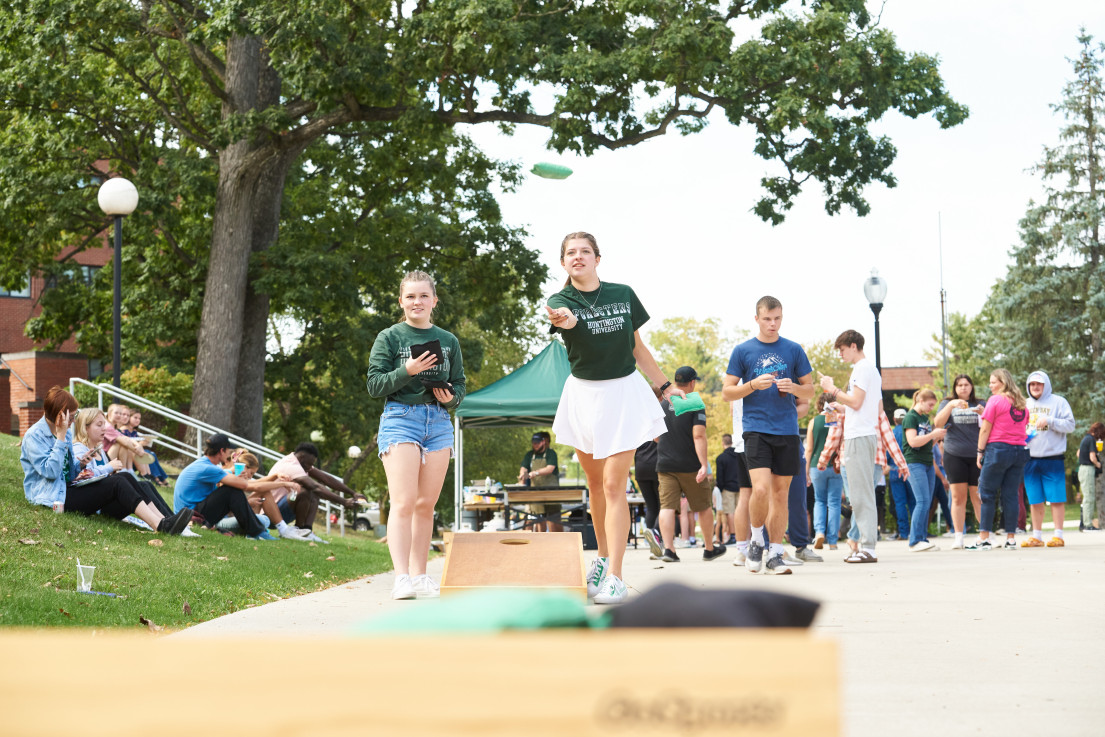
x: 579, y: 235
x: 1009, y: 388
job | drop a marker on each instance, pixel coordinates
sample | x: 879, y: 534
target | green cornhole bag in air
x: 693, y: 403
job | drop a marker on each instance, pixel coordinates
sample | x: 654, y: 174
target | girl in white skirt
x: 606, y: 409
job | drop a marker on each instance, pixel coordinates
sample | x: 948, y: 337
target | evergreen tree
x: 1050, y: 308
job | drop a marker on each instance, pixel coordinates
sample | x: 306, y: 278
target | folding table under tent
x: 527, y: 396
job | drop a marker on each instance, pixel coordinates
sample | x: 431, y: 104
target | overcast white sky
x: 673, y: 219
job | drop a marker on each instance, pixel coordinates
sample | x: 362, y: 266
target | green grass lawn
x: 181, y: 582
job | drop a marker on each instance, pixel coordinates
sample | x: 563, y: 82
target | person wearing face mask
x: 1050, y: 420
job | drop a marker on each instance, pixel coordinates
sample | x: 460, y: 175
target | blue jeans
x: 1002, y: 473
x: 798, y: 529
x: 902, y: 495
x: 827, y: 488
x: 921, y: 478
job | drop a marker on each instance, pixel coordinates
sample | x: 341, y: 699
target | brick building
x: 903, y: 381
x: 27, y: 372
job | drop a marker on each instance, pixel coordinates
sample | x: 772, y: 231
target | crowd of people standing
x: 769, y: 474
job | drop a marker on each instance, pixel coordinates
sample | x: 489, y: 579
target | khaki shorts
x: 674, y: 485
x: 729, y: 501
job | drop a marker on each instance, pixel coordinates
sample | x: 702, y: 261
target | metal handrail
x: 185, y: 449
x: 16, y: 375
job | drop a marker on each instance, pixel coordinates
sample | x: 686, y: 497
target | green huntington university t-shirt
x: 919, y: 423
x: 387, y: 373
x: 600, y: 346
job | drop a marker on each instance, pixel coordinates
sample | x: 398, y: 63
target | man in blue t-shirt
x: 213, y: 492
x: 776, y: 374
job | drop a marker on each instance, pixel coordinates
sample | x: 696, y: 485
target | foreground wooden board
x: 589, y: 682
x: 544, y: 560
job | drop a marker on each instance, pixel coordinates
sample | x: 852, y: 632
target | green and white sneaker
x: 595, y: 576
x: 613, y: 591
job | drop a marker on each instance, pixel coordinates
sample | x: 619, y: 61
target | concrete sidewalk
x: 947, y: 642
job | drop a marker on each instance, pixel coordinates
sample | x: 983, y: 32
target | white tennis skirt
x: 602, y: 418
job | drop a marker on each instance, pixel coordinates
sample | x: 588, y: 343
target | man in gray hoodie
x: 1050, y: 419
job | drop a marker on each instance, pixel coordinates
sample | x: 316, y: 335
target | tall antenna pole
x: 943, y: 304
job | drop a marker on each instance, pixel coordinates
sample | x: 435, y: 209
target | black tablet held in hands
x: 436, y: 384
x: 432, y: 346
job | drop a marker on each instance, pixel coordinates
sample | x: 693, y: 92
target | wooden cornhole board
x: 75, y: 683
x: 549, y: 561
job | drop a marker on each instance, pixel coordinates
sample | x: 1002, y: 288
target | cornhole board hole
x: 548, y: 561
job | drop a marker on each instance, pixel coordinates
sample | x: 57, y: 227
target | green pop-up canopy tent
x: 528, y: 395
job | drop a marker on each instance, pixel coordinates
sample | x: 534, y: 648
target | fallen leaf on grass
x: 55, y: 578
x: 331, y: 558
x: 150, y: 624
x: 308, y: 574
x: 221, y: 557
x: 65, y: 612
x: 312, y: 545
x: 187, y: 609
x: 34, y: 531
x: 156, y: 542
x: 28, y: 541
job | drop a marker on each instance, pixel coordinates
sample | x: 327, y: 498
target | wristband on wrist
x: 664, y: 387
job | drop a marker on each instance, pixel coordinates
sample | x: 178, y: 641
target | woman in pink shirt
x: 1002, y: 455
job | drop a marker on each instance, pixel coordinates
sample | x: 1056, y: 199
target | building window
x: 79, y: 273
x: 25, y: 292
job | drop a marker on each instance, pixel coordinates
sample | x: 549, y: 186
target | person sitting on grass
x: 213, y: 492
x: 151, y: 471
x: 117, y: 445
x: 51, y: 468
x: 308, y: 485
x: 260, y: 498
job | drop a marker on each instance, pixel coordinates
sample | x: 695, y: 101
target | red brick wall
x: 16, y: 311
x: 40, y: 370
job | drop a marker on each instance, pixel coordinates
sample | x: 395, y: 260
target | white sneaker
x: 738, y: 555
x: 189, y: 532
x: 403, y: 588
x: 424, y: 587
x: 613, y: 591
x: 922, y: 546
x: 595, y: 576
x: 291, y: 532
x: 958, y: 544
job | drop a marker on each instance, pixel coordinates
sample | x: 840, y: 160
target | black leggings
x: 116, y: 495
x: 650, y: 490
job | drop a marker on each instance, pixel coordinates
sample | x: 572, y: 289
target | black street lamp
x: 118, y: 198
x: 875, y: 291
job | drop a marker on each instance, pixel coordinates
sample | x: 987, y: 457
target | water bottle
x: 487, y: 485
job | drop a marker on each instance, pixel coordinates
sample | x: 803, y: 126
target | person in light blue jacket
x: 1050, y: 420
x: 51, y: 469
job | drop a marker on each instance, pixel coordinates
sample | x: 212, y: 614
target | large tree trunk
x: 240, y: 164
x: 267, y: 198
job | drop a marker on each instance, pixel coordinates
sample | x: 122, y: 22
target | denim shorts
x: 426, y: 425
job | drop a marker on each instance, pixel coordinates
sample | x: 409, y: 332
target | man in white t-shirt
x: 862, y: 404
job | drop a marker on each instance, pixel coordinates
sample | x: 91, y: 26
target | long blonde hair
x: 85, y: 417
x: 1009, y: 387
